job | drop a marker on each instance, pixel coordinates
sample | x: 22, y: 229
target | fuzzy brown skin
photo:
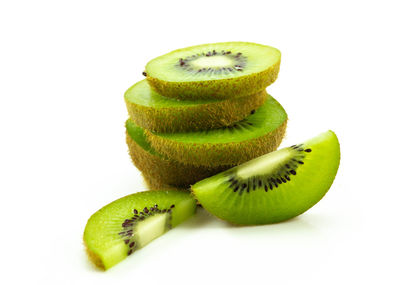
x: 199, y: 117
x: 216, y: 89
x: 209, y: 154
x: 153, y: 184
x: 166, y: 171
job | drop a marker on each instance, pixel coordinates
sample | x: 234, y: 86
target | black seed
x: 254, y: 186
x: 287, y: 165
x: 144, y: 73
x: 126, y: 241
x: 172, y: 206
x: 135, y: 211
x: 146, y: 210
x: 308, y: 150
x: 152, y: 209
x: 228, y: 52
x: 270, y: 186
x: 130, y: 252
x: 214, y: 52
x: 163, y: 211
x: 252, y: 112
x: 259, y: 183
x: 287, y: 177
x: 244, y: 185
x: 266, y: 188
x: 293, y: 172
x: 121, y: 233
x: 155, y: 205
x: 199, y: 70
x: 300, y: 162
x: 236, y: 188
x: 249, y: 123
x: 132, y: 244
x: 279, y: 181
x: 283, y: 180
x: 234, y: 182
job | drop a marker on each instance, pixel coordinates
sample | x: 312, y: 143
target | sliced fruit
x: 150, y: 110
x: 274, y: 187
x: 219, y: 70
x: 129, y: 223
x: 161, y: 169
x: 258, y: 134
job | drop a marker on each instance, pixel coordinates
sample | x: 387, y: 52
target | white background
x: 64, y: 66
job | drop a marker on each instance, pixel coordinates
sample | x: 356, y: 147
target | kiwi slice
x: 274, y: 187
x: 161, y: 169
x: 259, y: 133
x: 219, y: 70
x: 131, y: 222
x: 152, y: 111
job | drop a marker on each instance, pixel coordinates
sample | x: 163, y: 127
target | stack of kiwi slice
x: 203, y: 120
x: 202, y: 110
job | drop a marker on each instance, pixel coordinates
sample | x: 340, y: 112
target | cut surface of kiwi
x: 129, y: 223
x: 274, y: 187
x: 259, y: 133
x: 152, y: 111
x: 159, y: 169
x: 218, y: 70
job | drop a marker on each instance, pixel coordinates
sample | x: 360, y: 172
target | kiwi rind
x: 196, y: 148
x: 219, y: 88
x: 153, y: 184
x: 192, y: 115
x: 161, y: 169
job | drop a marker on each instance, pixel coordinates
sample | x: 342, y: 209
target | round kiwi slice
x: 152, y: 111
x: 274, y: 187
x: 162, y: 170
x: 219, y: 70
x: 257, y: 134
x: 131, y: 222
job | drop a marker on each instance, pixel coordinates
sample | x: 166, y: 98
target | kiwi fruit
x: 259, y: 133
x: 161, y: 169
x: 153, y: 184
x: 150, y: 110
x: 129, y: 223
x: 218, y: 70
x: 274, y: 187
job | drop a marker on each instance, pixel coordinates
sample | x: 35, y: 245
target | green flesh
x: 142, y: 94
x: 288, y: 187
x: 266, y: 119
x: 253, y: 58
x: 137, y: 134
x: 110, y: 238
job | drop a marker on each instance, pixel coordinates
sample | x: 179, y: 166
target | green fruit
x: 129, y: 223
x: 161, y: 169
x: 150, y: 110
x: 274, y: 187
x: 219, y: 70
x: 258, y: 134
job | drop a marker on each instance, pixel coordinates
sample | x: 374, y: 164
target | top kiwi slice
x: 219, y: 70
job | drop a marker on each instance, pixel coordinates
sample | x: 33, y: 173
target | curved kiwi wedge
x: 161, y: 169
x: 129, y: 223
x: 152, y: 111
x: 219, y: 70
x: 274, y: 187
x: 257, y: 134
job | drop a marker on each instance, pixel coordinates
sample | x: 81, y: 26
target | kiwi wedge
x: 274, y: 187
x: 129, y: 223
x: 259, y: 133
x: 159, y: 168
x: 152, y: 111
x: 218, y: 70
